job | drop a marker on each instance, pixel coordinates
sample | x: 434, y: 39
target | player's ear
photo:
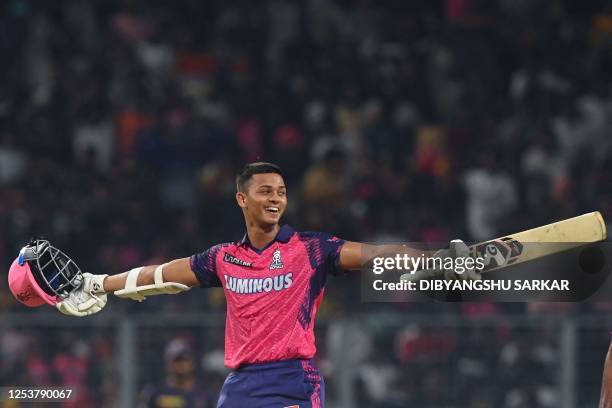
x: 241, y: 199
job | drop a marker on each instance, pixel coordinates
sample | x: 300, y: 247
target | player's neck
x: 260, y: 236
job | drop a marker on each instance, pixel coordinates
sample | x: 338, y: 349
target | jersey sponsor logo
x: 247, y: 286
x: 233, y: 260
x: 277, y: 262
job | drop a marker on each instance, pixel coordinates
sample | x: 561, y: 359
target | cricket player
x: 273, y: 280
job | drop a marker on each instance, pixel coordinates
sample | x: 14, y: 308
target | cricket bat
x: 541, y: 241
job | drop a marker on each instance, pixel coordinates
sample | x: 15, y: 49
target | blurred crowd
x: 387, y: 365
x: 123, y: 124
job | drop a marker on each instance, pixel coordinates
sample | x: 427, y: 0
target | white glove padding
x: 87, y: 299
x: 159, y: 287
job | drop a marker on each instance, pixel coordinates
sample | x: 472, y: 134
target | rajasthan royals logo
x: 277, y: 262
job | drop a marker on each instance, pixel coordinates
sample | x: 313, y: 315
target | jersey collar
x: 283, y: 235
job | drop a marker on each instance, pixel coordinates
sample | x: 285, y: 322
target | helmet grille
x: 53, y: 270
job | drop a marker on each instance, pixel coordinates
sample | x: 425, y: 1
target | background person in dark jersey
x: 273, y: 280
x: 181, y: 388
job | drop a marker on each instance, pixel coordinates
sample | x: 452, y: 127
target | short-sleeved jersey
x: 272, y: 294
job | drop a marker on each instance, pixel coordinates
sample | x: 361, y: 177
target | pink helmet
x: 24, y: 287
x: 42, y: 273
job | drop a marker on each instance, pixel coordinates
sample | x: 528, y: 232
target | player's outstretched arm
x: 177, y: 271
x: 354, y: 255
x: 170, y: 278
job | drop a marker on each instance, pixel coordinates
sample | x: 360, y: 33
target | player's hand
x: 87, y: 299
x: 457, y: 249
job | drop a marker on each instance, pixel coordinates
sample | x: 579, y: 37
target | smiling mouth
x: 273, y: 210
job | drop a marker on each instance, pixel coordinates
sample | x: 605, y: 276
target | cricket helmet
x: 42, y: 273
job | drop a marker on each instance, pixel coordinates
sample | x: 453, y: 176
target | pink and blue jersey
x: 272, y: 294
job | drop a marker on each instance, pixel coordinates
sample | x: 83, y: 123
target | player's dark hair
x: 255, y: 168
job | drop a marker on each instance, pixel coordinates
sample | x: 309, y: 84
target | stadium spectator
x: 181, y: 388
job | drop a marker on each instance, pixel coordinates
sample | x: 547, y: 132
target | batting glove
x: 456, y: 249
x: 459, y: 249
x: 87, y: 299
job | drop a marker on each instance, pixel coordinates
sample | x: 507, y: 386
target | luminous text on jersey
x: 258, y: 285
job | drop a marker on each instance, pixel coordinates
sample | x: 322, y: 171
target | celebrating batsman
x: 273, y: 280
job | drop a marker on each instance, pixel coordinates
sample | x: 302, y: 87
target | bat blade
x: 556, y: 237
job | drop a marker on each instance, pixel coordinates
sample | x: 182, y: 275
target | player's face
x: 182, y: 365
x: 265, y: 198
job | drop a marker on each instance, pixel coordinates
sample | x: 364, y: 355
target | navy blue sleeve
x: 324, y: 255
x: 324, y: 251
x: 204, y: 265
